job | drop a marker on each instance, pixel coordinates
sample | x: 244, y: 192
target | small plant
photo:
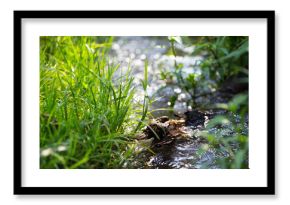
x: 224, y: 57
x: 146, y: 99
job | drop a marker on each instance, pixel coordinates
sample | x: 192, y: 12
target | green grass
x: 86, y: 109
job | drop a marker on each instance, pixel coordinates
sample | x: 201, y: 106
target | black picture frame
x: 19, y: 189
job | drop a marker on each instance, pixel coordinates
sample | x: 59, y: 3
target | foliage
x: 85, y: 107
x: 224, y: 57
x: 234, y: 144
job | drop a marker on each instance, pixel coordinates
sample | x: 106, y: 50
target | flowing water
x: 190, y: 152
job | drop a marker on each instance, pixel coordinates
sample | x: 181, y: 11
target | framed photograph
x: 144, y: 102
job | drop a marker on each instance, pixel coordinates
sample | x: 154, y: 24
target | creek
x: 191, y: 152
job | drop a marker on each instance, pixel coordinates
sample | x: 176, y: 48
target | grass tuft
x: 85, y: 107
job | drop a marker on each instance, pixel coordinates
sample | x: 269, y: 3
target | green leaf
x: 218, y: 120
x: 237, y: 101
x: 176, y: 39
x: 239, y: 159
x: 145, y: 81
x: 237, y: 53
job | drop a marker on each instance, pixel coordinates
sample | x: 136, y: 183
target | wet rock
x: 165, y: 128
x: 195, y: 118
x: 179, y: 108
x: 162, y: 119
x: 156, y: 130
